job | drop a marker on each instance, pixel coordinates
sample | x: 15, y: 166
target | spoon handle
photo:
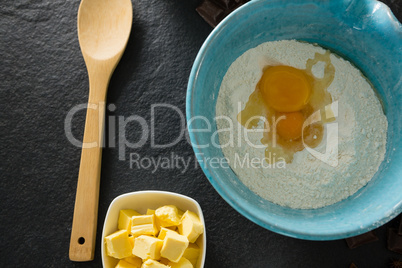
x: 83, y: 233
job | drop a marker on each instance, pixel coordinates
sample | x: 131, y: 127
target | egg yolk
x: 290, y: 125
x: 286, y: 97
x: 285, y: 88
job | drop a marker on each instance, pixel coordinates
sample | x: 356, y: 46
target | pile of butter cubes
x: 165, y: 237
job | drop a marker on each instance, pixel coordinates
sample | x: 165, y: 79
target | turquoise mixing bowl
x: 366, y: 33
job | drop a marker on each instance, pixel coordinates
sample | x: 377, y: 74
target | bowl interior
x: 141, y: 201
x: 365, y: 33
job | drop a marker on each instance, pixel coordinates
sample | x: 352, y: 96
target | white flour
x: 306, y: 182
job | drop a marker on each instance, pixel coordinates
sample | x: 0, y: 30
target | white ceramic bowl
x: 141, y: 201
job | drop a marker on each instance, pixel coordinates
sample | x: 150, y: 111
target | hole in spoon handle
x: 81, y: 240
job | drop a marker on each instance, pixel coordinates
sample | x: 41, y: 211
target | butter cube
x: 174, y: 246
x: 153, y: 264
x: 143, y: 225
x: 150, y: 211
x: 134, y: 260
x: 182, y: 263
x: 168, y: 216
x: 124, y: 264
x: 125, y: 216
x: 191, y: 253
x: 131, y: 239
x: 164, y: 231
x: 190, y: 226
x: 147, y: 247
x: 118, y: 245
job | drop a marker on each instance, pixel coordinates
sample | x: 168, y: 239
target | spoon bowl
x: 104, y: 35
x: 103, y: 30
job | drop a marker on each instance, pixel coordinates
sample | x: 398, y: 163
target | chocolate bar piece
x: 400, y: 225
x: 214, y: 11
x: 394, y: 240
x: 356, y: 241
x: 396, y: 264
x: 226, y: 3
x: 211, y: 12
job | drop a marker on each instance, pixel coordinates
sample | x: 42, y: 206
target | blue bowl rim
x: 222, y: 192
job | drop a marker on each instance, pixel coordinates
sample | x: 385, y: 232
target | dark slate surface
x: 43, y: 76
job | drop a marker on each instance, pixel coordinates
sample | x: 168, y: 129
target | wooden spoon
x: 103, y: 30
